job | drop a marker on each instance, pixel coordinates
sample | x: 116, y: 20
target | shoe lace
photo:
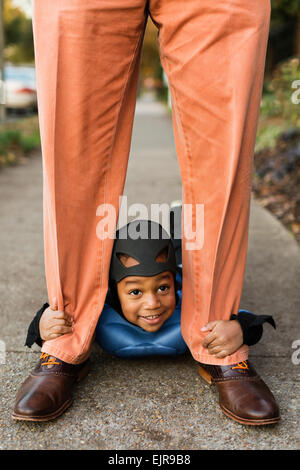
x: 50, y: 360
x: 241, y: 365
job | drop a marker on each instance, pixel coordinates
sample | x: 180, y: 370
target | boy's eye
x: 164, y: 286
x: 134, y: 292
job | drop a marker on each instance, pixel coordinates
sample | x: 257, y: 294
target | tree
x: 284, y: 11
x: 150, y: 64
x: 18, y: 34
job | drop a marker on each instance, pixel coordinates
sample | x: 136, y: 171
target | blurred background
x: 276, y: 178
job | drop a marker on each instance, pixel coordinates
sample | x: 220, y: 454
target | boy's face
x: 147, y: 301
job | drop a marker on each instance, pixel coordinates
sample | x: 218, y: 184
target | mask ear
x: 162, y: 256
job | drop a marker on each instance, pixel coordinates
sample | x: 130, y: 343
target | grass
x: 18, y: 139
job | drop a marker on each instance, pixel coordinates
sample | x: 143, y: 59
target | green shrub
x: 30, y: 142
x: 277, y: 100
x: 17, y: 139
x: 267, y: 136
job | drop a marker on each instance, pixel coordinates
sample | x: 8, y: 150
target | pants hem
x: 227, y: 361
x: 63, y: 356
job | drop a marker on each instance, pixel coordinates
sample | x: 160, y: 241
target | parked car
x: 20, y: 87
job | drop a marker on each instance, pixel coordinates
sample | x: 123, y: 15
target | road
x: 155, y: 403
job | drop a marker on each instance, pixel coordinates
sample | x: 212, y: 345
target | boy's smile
x: 147, y: 301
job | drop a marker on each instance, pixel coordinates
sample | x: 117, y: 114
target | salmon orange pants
x: 87, y: 57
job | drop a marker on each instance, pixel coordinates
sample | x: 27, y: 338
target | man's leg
x: 87, y: 62
x: 213, y: 53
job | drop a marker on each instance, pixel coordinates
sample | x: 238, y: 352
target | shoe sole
x: 81, y: 375
x: 58, y: 412
x: 251, y: 422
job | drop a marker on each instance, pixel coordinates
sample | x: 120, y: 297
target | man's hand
x: 54, y: 323
x: 225, y: 337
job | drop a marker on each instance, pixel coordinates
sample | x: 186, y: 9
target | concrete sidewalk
x: 154, y: 403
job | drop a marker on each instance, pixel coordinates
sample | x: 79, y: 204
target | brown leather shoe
x: 243, y: 395
x: 46, y: 393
